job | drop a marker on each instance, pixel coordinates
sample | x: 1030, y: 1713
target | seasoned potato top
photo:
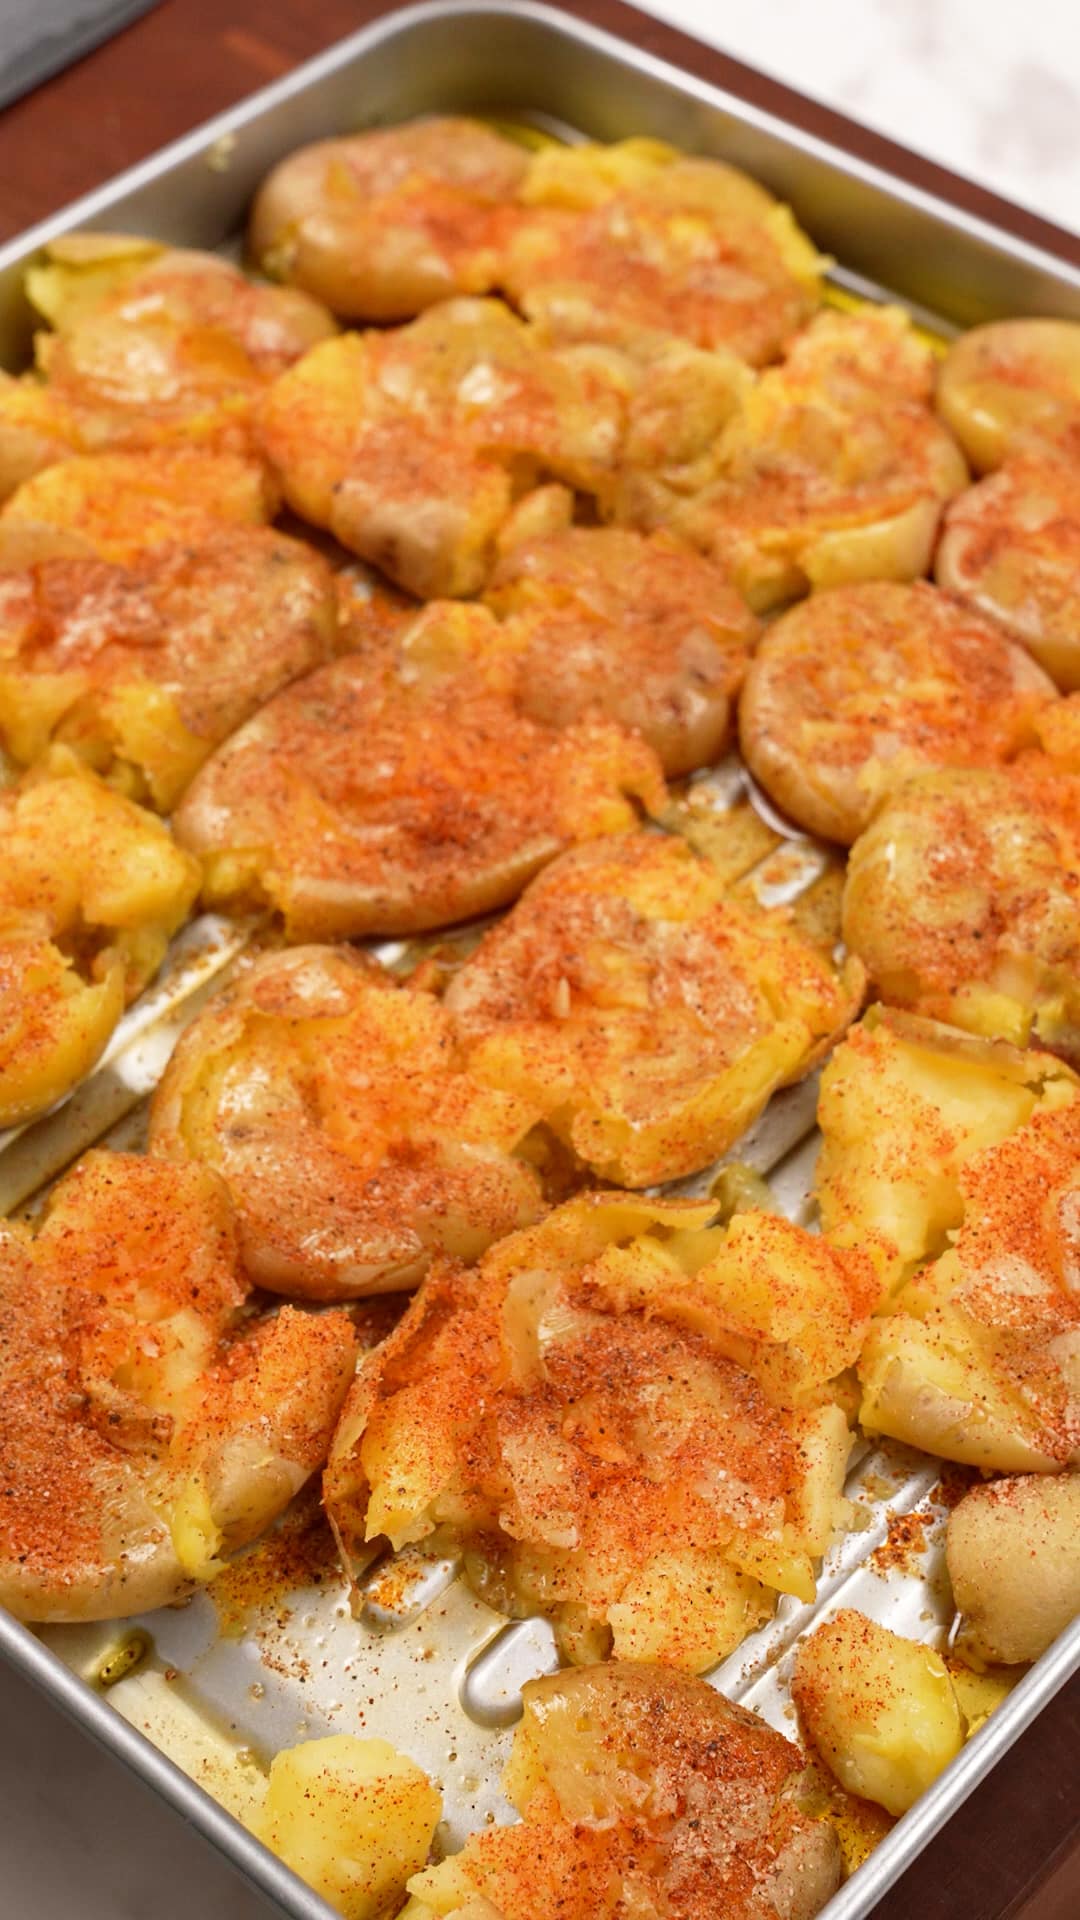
x: 570, y: 1411
x: 412, y: 445
x: 862, y: 687
x: 1013, y: 386
x: 963, y: 900
x: 633, y: 243
x: 144, y: 1425
x: 637, y: 628
x: 381, y: 224
x: 118, y: 505
x: 338, y: 1108
x: 1010, y: 547
x: 91, y: 890
x: 647, y: 1015
x: 642, y: 1791
x: 152, y: 664
x: 828, y: 468
x: 157, y: 341
x: 390, y: 793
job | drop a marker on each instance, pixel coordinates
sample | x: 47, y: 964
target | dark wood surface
x: 1013, y: 1851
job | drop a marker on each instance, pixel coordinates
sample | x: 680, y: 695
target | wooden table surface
x: 1013, y: 1851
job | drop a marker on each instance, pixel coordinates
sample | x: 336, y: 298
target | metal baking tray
x: 428, y: 1665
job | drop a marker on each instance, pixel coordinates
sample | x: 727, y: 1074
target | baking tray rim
x: 19, y: 1646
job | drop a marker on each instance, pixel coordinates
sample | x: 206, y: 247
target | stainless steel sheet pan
x: 428, y: 1665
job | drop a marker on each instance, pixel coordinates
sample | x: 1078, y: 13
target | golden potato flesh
x: 644, y: 1792
x: 36, y: 429
x: 146, y: 1422
x: 859, y: 688
x: 879, y: 1708
x: 1011, y: 386
x: 1013, y: 1552
x: 379, y: 225
x: 905, y: 1105
x: 91, y: 890
x: 353, y: 1818
x: 631, y: 244
x: 412, y: 445
x: 144, y: 669
x: 160, y: 344
x: 397, y: 791
x: 117, y: 505
x: 1010, y: 548
x: 354, y: 1143
x: 647, y: 1016
x: 636, y: 628
x: 962, y: 900
x: 827, y: 469
x: 567, y: 1412
x: 979, y: 1359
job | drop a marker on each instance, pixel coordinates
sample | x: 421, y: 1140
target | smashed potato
x: 337, y: 1106
x: 379, y: 225
x: 827, y: 469
x: 1013, y: 1553
x: 857, y: 689
x: 568, y: 1413
x: 36, y: 430
x: 977, y: 1360
x: 144, y: 669
x: 1010, y: 548
x: 963, y: 901
x: 1011, y: 386
x: 91, y: 890
x: 641, y: 1791
x: 412, y: 445
x: 118, y: 505
x: 401, y: 790
x: 639, y: 629
x: 905, y: 1105
x: 153, y: 344
x: 634, y: 243
x: 646, y: 1016
x: 879, y: 1708
x: 354, y: 1818
x: 147, y: 1424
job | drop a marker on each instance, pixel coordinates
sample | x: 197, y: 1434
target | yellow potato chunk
x: 157, y: 345
x: 91, y: 890
x: 630, y: 244
x: 568, y: 1414
x: 905, y: 1105
x: 880, y: 1709
x: 117, y: 505
x: 148, y: 1424
x: 963, y: 901
x: 399, y: 790
x: 646, y: 1015
x: 637, y: 628
x: 1013, y: 1552
x: 977, y: 1361
x: 143, y: 669
x: 641, y: 1791
x: 1010, y: 386
x: 354, y: 1818
x: 859, y: 688
x: 828, y: 469
x: 36, y: 429
x: 412, y: 445
x: 1010, y: 548
x: 380, y: 225
x: 338, y: 1107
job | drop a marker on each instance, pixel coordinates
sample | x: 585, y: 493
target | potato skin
x: 1013, y: 1554
x: 1012, y: 384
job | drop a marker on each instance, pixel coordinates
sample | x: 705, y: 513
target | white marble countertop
x: 988, y: 87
